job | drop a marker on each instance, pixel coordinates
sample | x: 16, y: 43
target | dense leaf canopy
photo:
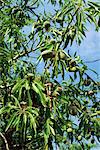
x: 47, y: 98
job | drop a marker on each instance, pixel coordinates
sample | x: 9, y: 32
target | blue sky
x: 89, y: 50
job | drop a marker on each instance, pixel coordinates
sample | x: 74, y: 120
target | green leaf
x: 62, y: 69
x: 25, y: 118
x: 35, y: 111
x: 32, y: 121
x: 94, y: 4
x: 35, y: 88
x: 18, y: 85
x: 39, y: 85
x: 12, y: 118
x: 52, y: 130
x: 17, y: 123
x: 2, y: 110
x: 75, y: 75
x: 16, y: 100
x: 90, y: 18
x: 58, y: 129
x: 27, y: 85
x: 42, y: 98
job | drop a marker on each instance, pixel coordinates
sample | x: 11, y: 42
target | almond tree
x: 47, y: 99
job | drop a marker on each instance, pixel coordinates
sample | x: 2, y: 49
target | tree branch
x: 23, y: 54
x: 6, y: 143
x: 92, y: 61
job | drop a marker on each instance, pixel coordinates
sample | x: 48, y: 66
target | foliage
x: 58, y: 106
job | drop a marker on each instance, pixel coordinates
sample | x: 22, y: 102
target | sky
x: 89, y: 50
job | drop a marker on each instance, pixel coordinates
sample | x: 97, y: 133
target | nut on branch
x: 79, y: 138
x: 50, y: 54
x: 69, y: 130
x: 87, y: 82
x: 72, y: 66
x: 72, y: 63
x: 90, y: 93
x: 23, y: 105
x: 73, y: 110
x: 73, y: 69
x: 62, y: 55
x: 47, y: 25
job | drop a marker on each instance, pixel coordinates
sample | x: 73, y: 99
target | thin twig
x: 92, y: 61
x: 6, y: 143
x: 22, y: 54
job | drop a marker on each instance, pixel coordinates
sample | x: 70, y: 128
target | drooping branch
x: 6, y: 143
x: 22, y: 54
x: 26, y: 52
